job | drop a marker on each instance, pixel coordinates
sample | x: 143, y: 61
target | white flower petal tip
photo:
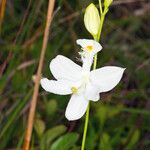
x: 76, y: 107
x: 121, y: 69
x: 44, y: 84
x: 106, y: 78
x: 124, y: 69
x: 57, y: 87
x: 89, y: 45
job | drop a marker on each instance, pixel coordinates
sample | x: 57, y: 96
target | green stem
x: 101, y: 24
x: 94, y: 67
x: 100, y: 7
x: 95, y: 62
x: 85, y: 127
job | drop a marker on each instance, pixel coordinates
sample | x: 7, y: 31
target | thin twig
x: 29, y: 42
x: 38, y: 76
x: 146, y: 62
x: 2, y: 11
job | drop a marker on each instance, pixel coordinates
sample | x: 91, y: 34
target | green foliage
x: 9, y: 125
x: 104, y: 112
x: 50, y: 135
x: 39, y: 126
x: 120, y: 120
x: 65, y: 142
x: 133, y: 141
x: 91, y: 139
x: 105, y: 143
x: 51, y: 107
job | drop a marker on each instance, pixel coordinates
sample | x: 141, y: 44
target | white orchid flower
x: 83, y: 85
x: 89, y: 49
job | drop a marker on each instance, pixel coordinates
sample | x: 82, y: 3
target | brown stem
x: 2, y: 11
x: 38, y: 76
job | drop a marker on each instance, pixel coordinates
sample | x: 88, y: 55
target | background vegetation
x: 119, y: 121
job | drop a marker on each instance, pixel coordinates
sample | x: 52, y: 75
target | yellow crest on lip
x: 74, y: 90
x: 88, y: 48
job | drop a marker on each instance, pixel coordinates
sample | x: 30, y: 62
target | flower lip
x: 74, y: 90
x: 90, y: 46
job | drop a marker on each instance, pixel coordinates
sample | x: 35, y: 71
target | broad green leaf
x: 39, y: 126
x: 50, y: 107
x: 65, y: 142
x: 50, y: 135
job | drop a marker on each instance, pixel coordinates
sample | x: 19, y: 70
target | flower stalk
x: 97, y: 38
x: 85, y: 127
x: 38, y: 77
x: 81, y: 82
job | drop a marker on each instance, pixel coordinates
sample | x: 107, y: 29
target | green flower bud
x: 107, y: 3
x: 92, y: 19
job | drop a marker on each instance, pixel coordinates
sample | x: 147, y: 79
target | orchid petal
x: 92, y: 92
x: 60, y: 87
x: 106, y: 78
x: 87, y: 42
x: 64, y: 68
x: 76, y: 107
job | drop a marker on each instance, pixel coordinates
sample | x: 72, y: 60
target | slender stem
x: 38, y: 77
x: 85, y: 127
x: 95, y: 62
x: 94, y: 67
x: 101, y: 25
x: 100, y: 6
x: 2, y: 11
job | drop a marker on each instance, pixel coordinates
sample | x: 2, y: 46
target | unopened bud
x: 92, y: 19
x: 107, y: 3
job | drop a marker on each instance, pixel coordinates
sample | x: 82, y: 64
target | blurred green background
x: 119, y: 121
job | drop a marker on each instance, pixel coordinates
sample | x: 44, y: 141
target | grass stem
x: 38, y: 77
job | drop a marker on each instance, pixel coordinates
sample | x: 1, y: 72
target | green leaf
x: 76, y: 148
x: 113, y: 111
x: 105, y: 143
x: 50, y: 135
x: 39, y: 126
x: 20, y: 142
x: 51, y: 107
x: 91, y: 139
x: 102, y: 114
x: 65, y: 142
x: 133, y: 141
